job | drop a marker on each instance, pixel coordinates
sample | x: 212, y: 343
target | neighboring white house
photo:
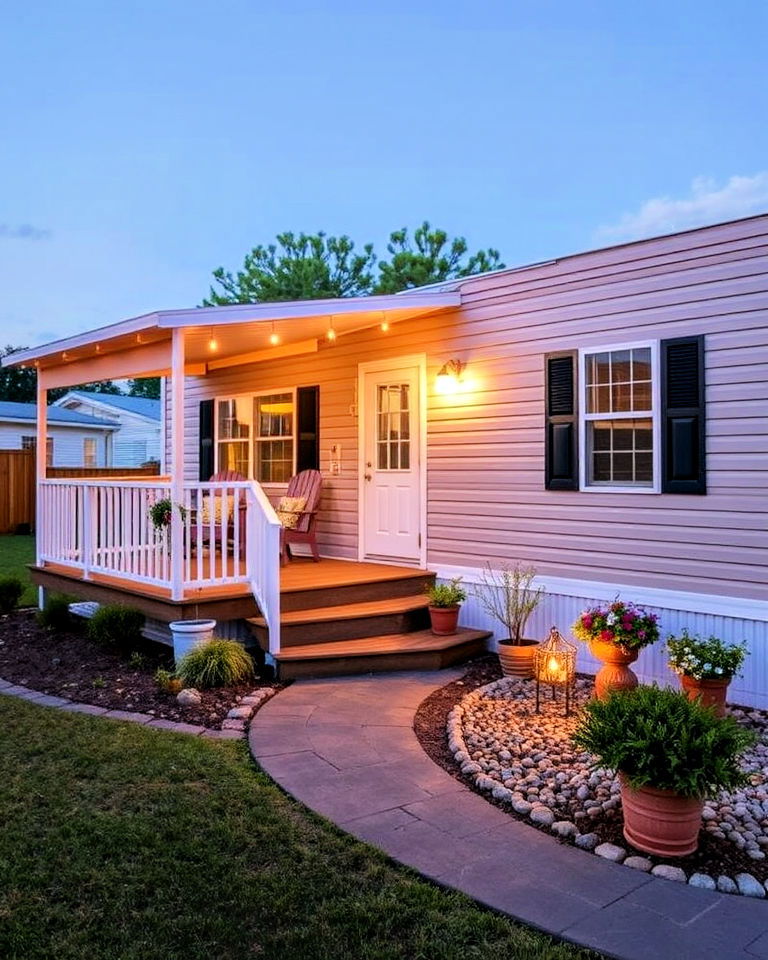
x: 74, y: 439
x: 139, y: 437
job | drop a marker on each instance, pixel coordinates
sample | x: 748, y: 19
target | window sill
x: 627, y: 489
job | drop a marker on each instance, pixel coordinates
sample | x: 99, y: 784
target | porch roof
x: 219, y: 336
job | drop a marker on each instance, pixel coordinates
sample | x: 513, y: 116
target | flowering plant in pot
x: 616, y: 633
x: 671, y: 753
x: 445, y: 601
x: 509, y: 596
x: 705, y: 667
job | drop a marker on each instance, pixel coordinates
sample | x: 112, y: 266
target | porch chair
x: 224, y: 507
x: 297, y: 511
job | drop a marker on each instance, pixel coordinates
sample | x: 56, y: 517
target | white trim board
x: 737, y: 607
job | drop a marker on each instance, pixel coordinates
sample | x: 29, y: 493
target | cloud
x: 23, y: 231
x: 707, y: 203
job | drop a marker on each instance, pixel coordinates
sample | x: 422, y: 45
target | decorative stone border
x: 541, y: 814
x: 232, y: 728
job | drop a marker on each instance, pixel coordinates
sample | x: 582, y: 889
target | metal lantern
x: 554, y: 663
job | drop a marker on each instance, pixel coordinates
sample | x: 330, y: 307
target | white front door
x: 391, y: 487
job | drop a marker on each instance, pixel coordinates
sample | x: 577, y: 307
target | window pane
x: 602, y: 368
x: 233, y: 455
x: 619, y: 381
x: 641, y: 363
x: 621, y: 371
x: 274, y: 461
x: 641, y: 395
x: 274, y: 415
x: 620, y: 452
x: 621, y: 397
x: 234, y: 419
x: 383, y: 461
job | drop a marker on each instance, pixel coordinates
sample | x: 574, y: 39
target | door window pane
x: 393, y: 426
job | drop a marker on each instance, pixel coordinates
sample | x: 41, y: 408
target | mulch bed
x: 69, y: 665
x: 713, y: 856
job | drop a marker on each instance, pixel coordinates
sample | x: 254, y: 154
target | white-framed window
x: 619, y: 418
x: 89, y: 452
x: 30, y: 443
x: 255, y: 435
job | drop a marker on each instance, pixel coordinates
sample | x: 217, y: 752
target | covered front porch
x: 182, y: 545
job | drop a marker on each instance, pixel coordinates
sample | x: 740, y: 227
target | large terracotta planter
x: 712, y: 693
x: 516, y: 659
x: 445, y: 620
x: 615, y: 673
x: 660, y: 821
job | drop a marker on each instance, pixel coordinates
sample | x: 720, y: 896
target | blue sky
x: 143, y: 144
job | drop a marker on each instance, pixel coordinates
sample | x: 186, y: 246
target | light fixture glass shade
x: 449, y: 377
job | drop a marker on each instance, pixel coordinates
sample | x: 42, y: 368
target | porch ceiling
x: 217, y: 336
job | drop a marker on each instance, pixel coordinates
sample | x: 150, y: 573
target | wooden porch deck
x: 300, y: 578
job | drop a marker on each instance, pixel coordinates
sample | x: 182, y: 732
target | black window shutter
x: 683, y: 446
x: 205, y: 456
x: 561, y: 461
x: 308, y: 420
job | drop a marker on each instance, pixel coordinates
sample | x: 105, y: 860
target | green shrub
x: 115, y: 625
x: 446, y: 594
x: 167, y: 681
x: 11, y: 589
x: 659, y: 738
x: 218, y: 663
x: 55, y: 614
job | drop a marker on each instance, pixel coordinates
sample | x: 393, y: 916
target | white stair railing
x: 263, y: 559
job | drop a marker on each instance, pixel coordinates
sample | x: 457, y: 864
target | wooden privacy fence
x: 17, y: 489
x: 106, y: 473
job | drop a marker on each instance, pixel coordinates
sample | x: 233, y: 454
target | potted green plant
x: 616, y: 633
x: 705, y: 667
x: 509, y: 597
x: 670, y: 753
x: 445, y: 600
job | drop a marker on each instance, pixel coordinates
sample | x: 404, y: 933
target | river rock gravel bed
x: 527, y: 763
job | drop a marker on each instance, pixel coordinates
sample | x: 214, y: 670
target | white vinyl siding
x: 65, y: 444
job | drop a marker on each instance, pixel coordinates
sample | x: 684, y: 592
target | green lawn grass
x: 15, y: 554
x: 129, y: 844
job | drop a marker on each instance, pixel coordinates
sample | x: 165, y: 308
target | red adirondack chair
x: 307, y: 484
x: 226, y: 476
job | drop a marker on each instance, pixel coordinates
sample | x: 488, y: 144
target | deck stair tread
x: 291, y: 580
x: 419, y: 641
x: 348, y: 611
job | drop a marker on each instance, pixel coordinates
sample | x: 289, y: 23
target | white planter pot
x: 188, y: 634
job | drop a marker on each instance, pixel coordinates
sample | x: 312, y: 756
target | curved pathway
x: 346, y: 748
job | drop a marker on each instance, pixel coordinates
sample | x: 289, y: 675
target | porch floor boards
x: 296, y: 576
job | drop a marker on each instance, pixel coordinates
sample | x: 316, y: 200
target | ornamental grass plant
x: 218, y: 663
x: 710, y: 659
x: 659, y: 738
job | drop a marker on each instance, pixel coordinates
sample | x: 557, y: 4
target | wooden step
x: 378, y: 584
x: 418, y: 650
x: 350, y: 621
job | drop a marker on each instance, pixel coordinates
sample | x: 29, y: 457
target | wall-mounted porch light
x: 449, y: 376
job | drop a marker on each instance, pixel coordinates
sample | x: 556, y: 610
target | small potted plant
x: 705, y: 667
x: 670, y: 754
x: 445, y: 600
x: 616, y: 633
x: 508, y: 596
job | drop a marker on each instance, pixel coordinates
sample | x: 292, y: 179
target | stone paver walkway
x: 346, y: 748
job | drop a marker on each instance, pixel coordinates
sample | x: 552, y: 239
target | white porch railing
x: 230, y: 534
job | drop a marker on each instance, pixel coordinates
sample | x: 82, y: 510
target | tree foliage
x: 148, y: 387
x: 303, y: 267
x: 316, y: 266
x: 430, y: 258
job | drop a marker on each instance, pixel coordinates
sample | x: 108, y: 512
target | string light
x: 331, y: 333
x: 384, y: 325
x: 213, y: 343
x: 274, y: 337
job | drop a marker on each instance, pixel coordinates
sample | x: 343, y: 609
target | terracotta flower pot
x: 615, y: 673
x: 445, y: 620
x: 660, y: 821
x: 711, y: 692
x: 516, y: 659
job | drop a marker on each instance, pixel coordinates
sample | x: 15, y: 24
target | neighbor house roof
x: 143, y: 406
x: 27, y: 413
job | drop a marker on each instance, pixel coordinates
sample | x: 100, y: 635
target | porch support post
x: 177, y: 463
x: 41, y: 453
